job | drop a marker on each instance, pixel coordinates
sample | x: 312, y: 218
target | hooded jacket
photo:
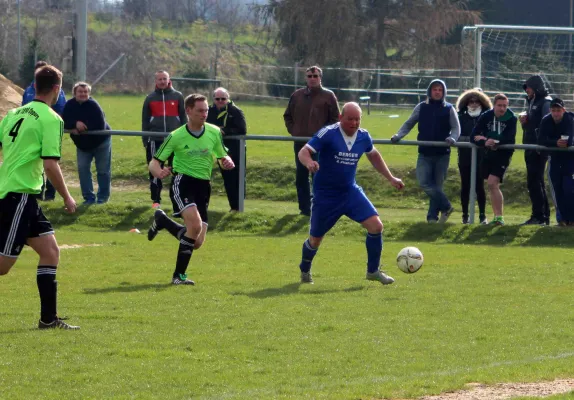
x: 502, y: 129
x: 550, y: 132
x: 163, y: 111
x: 437, y: 120
x: 467, y: 121
x: 537, y: 107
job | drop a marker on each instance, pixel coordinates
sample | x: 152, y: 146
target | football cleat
x: 380, y: 276
x: 306, y: 278
x: 58, y: 323
x: 182, y: 280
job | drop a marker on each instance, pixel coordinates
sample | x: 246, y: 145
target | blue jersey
x: 339, y: 155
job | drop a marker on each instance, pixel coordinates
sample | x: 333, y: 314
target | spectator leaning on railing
x: 556, y: 130
x: 495, y: 127
x: 471, y: 105
x: 437, y: 121
x: 81, y: 115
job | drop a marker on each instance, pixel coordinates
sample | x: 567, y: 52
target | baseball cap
x: 557, y: 103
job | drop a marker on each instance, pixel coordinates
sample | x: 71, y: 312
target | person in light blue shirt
x: 335, y: 190
x: 48, y: 192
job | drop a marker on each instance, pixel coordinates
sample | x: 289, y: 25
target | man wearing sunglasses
x: 225, y: 114
x: 309, y: 109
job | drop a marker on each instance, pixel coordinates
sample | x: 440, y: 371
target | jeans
x: 431, y: 174
x: 103, y: 156
x: 302, y: 181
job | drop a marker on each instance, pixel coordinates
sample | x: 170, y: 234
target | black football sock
x: 48, y: 289
x: 183, y: 255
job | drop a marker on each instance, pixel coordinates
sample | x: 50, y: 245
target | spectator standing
x: 83, y: 114
x: 230, y: 118
x: 163, y: 111
x: 471, y: 105
x: 309, y: 109
x: 437, y: 121
x: 496, y: 127
x: 48, y: 192
x: 538, y: 103
x: 557, y: 130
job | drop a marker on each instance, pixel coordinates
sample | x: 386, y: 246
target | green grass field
x: 491, y: 304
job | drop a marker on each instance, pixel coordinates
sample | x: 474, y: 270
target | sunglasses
x: 312, y: 76
x: 220, y: 98
x: 473, y: 101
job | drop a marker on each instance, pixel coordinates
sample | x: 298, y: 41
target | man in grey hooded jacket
x: 437, y: 121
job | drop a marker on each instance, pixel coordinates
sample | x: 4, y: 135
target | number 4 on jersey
x: 15, y: 129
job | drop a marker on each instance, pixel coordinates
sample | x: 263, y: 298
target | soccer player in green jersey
x: 193, y: 146
x: 31, y: 141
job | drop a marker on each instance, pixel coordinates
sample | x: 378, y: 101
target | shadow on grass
x: 292, y: 288
x: 127, y: 288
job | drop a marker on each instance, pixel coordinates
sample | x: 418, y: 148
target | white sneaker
x: 380, y: 276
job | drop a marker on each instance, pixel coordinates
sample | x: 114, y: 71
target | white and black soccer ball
x: 410, y: 260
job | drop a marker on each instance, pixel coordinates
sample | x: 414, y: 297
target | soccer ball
x: 410, y: 260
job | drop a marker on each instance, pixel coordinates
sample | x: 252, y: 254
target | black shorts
x: 494, y: 166
x: 186, y: 192
x: 21, y: 218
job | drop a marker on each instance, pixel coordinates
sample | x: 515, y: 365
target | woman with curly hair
x: 470, y: 106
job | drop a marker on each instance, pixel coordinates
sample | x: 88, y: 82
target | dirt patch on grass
x: 78, y: 246
x: 478, y: 391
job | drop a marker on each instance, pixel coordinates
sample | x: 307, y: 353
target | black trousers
x: 464, y: 170
x: 302, y: 181
x: 535, y: 168
x: 155, y: 185
x: 231, y: 177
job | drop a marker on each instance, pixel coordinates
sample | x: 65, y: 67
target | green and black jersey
x: 28, y: 134
x: 193, y: 155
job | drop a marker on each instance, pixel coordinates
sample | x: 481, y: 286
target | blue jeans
x: 103, y: 156
x: 431, y: 173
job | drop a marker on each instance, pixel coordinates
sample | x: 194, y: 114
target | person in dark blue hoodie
x: 437, y: 121
x: 557, y: 130
x: 83, y: 114
x: 50, y: 192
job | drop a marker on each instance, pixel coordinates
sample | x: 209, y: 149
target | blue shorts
x: 327, y: 208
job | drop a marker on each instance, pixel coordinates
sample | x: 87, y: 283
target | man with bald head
x: 335, y: 191
x: 230, y: 118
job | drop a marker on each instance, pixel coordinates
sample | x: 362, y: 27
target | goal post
x: 502, y: 57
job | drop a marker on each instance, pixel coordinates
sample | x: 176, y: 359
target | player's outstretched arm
x: 305, y: 157
x: 156, y: 169
x: 380, y: 165
x: 54, y: 174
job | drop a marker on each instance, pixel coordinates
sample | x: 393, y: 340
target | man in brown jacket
x: 309, y: 109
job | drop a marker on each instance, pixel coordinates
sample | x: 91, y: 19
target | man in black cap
x: 557, y: 130
x: 538, y: 105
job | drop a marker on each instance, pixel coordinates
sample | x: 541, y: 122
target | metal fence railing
x: 242, y: 139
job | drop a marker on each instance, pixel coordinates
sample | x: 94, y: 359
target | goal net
x: 503, y: 57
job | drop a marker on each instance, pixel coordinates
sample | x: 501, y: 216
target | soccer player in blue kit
x: 336, y: 193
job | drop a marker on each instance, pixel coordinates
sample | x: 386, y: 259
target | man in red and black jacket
x: 163, y: 111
